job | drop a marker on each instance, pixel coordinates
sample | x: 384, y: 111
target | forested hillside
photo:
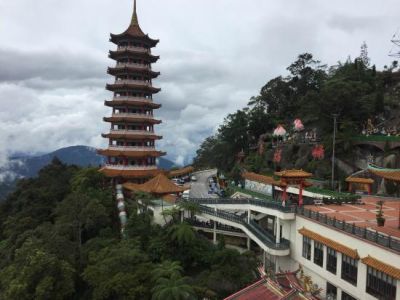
x: 60, y: 239
x: 354, y: 90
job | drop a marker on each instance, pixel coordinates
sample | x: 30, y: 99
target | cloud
x: 214, y: 57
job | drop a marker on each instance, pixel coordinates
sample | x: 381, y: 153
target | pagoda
x: 131, y: 154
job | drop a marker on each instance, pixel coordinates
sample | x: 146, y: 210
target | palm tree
x: 172, y: 288
x: 192, y: 207
x: 166, y: 269
x: 170, y: 212
x: 182, y: 233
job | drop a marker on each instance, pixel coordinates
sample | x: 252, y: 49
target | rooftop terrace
x: 360, y: 219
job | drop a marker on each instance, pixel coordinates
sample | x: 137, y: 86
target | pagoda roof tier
x: 159, y: 185
x: 131, y: 135
x: 132, y: 118
x: 134, y: 32
x: 293, y: 174
x: 389, y: 174
x: 132, y: 84
x: 360, y: 180
x: 128, y: 153
x: 128, y: 101
x: 128, y: 53
x: 129, y: 172
x: 133, y: 69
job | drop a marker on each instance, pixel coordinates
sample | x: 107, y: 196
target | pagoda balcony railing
x: 133, y: 115
x: 133, y: 65
x: 139, y: 132
x: 130, y: 167
x: 131, y: 148
x: 131, y: 98
x: 133, y: 48
x: 131, y: 81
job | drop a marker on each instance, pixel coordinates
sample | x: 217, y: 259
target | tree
x: 36, y: 274
x: 189, y: 206
x: 82, y: 217
x: 166, y: 269
x: 120, y: 271
x: 182, y: 233
x: 174, y: 287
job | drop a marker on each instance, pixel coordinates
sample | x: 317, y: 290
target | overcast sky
x: 215, y: 55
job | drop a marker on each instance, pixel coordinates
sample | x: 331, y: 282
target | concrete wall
x: 320, y: 275
x: 258, y: 187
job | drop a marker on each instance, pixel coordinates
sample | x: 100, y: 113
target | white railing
x: 132, y: 115
x: 133, y: 65
x: 128, y: 167
x: 131, y: 148
x: 133, y: 48
x: 131, y: 81
x: 140, y: 132
x: 131, y: 98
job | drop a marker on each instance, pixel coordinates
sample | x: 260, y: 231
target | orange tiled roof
x: 293, y: 174
x: 129, y: 173
x: 330, y: 243
x: 360, y: 180
x: 393, y: 175
x: 261, y: 178
x: 182, y: 171
x: 157, y: 185
x: 381, y: 266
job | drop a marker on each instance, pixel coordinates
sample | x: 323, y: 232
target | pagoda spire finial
x: 135, y: 20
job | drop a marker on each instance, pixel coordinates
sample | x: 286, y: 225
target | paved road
x: 199, y: 189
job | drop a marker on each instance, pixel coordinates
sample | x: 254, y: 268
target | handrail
x: 131, y: 148
x: 132, y: 65
x: 131, y: 98
x: 241, y: 201
x: 133, y: 48
x: 132, y: 81
x: 254, y: 229
x: 133, y: 115
x: 350, y: 228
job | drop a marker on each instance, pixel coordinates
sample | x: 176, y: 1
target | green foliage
x: 74, y: 249
x: 312, y: 92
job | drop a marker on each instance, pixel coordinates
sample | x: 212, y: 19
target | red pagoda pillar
x: 301, y: 194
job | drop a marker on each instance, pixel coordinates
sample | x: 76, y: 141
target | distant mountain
x: 22, y: 166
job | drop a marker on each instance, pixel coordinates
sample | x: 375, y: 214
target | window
x: 346, y: 296
x: 331, y: 291
x: 380, y: 284
x: 349, y: 269
x: 318, y: 253
x: 331, y: 261
x: 307, y: 247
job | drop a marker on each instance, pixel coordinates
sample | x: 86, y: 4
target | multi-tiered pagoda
x: 131, y: 153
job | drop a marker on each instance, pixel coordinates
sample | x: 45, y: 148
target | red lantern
x: 318, y: 152
x: 278, y: 155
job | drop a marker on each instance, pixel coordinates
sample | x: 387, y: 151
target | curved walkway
x: 261, y: 237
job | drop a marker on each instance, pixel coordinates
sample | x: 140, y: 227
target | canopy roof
x: 181, y: 172
x: 389, y: 174
x: 159, y: 185
x: 293, y: 174
x: 262, y: 178
x: 129, y: 173
x: 381, y: 266
x: 359, y: 180
x: 330, y: 243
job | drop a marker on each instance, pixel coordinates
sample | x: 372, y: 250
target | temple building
x: 131, y: 153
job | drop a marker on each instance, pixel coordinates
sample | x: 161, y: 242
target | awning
x: 329, y: 243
